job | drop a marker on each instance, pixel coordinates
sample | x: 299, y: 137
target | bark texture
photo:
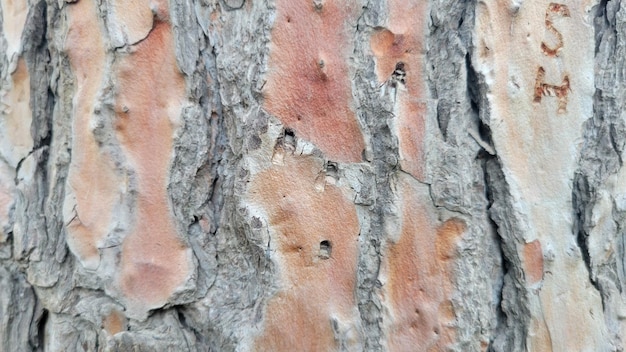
x: 312, y: 175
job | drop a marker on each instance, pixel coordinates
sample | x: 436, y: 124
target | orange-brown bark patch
x: 308, y: 87
x: 411, y: 127
x: 318, y: 277
x: 151, y: 92
x: 533, y: 262
x: 91, y: 178
x: 420, y: 277
x: 447, y: 238
x: 114, y: 322
x: 402, y: 41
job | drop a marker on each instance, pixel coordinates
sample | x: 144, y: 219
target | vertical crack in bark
x: 486, y: 159
x: 512, y: 308
x: 41, y: 330
x: 37, y: 58
x: 512, y: 328
x: 583, y: 200
x: 241, y: 270
x: 384, y: 155
x: 599, y: 163
x: 459, y: 169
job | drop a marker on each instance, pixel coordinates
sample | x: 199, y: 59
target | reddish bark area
x: 533, y: 262
x: 402, y: 41
x: 151, y: 91
x: 420, y: 277
x: 316, y: 233
x: 92, y: 179
x: 308, y: 85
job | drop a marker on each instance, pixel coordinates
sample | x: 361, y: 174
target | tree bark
x: 295, y: 175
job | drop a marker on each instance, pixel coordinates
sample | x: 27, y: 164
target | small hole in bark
x: 325, y: 249
x: 182, y: 319
x: 288, y: 19
x: 285, y: 143
x: 436, y: 331
x: 290, y: 139
x: 331, y: 167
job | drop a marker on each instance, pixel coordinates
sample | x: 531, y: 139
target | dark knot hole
x: 325, y: 249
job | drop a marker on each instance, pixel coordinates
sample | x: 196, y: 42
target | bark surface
x: 312, y: 175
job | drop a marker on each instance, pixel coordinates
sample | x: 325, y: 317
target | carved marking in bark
x: 560, y: 92
x: 554, y: 9
x: 542, y: 88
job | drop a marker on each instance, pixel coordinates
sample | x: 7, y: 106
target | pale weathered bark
x: 287, y: 175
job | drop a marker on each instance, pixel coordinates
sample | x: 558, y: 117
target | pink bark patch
x: 92, y: 179
x: 316, y: 234
x: 151, y: 91
x: 308, y: 87
x: 420, y: 277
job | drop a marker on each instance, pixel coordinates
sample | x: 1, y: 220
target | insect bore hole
x: 325, y: 249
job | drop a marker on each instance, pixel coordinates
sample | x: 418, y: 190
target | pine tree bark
x: 312, y: 175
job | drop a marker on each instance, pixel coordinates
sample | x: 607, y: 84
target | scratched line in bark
x: 541, y: 87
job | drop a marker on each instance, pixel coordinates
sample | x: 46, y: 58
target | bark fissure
x: 512, y: 314
x: 513, y: 301
x: 363, y: 175
x: 600, y: 167
x: 374, y: 116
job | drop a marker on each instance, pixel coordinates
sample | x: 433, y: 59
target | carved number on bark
x: 542, y: 88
